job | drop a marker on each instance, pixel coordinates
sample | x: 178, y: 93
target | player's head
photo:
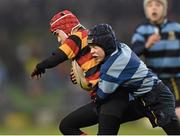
x: 155, y: 10
x: 65, y: 21
x: 102, y: 35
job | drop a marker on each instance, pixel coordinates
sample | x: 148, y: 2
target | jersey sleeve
x: 72, y: 45
x: 105, y: 88
x: 138, y: 41
x: 56, y: 58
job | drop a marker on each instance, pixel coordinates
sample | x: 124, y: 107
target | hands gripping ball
x: 77, y: 76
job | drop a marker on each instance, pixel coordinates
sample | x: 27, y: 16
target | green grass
x: 141, y: 127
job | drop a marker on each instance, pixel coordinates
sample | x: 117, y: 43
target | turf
x: 141, y: 127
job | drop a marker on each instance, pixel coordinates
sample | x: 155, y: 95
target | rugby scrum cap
x: 103, y: 36
x: 65, y: 21
x: 164, y: 3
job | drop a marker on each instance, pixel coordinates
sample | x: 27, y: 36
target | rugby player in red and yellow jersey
x: 72, y: 37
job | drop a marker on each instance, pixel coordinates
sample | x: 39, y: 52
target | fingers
x: 73, y: 78
x: 155, y: 38
x: 152, y: 39
x: 74, y: 81
x: 35, y: 74
x: 32, y: 75
x: 37, y: 77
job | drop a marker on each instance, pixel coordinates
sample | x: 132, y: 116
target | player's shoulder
x: 78, y: 36
x: 142, y: 27
x: 80, y: 33
x: 173, y: 24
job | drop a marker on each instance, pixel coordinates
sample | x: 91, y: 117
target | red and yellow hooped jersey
x: 75, y: 47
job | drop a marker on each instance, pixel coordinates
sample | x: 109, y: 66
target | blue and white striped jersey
x: 164, y: 56
x: 124, y: 68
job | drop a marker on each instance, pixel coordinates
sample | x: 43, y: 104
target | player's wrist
x: 40, y: 68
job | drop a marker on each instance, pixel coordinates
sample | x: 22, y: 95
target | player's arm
x: 138, y: 47
x: 138, y: 44
x: 68, y: 50
x: 105, y: 88
x: 71, y: 46
x: 56, y: 58
x: 138, y: 40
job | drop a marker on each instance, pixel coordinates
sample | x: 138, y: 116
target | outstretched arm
x: 68, y: 50
x: 56, y: 58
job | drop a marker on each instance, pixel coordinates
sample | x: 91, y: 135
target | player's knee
x: 173, y: 127
x: 63, y: 127
x: 67, y: 127
x: 165, y: 119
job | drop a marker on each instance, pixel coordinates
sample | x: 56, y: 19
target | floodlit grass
x: 19, y: 123
x: 30, y: 131
x: 141, y: 127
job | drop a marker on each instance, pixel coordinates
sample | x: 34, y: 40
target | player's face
x: 155, y: 11
x: 61, y: 36
x: 97, y: 53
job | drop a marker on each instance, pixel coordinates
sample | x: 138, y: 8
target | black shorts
x: 174, y: 86
x: 116, y: 103
x: 158, y: 105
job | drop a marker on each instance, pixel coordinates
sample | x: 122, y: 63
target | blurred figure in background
x: 3, y: 93
x: 159, y: 41
x: 3, y: 76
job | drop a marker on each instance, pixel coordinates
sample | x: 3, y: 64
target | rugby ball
x: 80, y: 76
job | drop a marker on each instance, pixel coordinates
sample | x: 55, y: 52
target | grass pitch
x: 141, y: 127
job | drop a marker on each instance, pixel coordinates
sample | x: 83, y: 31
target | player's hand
x: 152, y: 40
x: 37, y: 72
x: 73, y: 78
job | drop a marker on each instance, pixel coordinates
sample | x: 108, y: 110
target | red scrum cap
x: 65, y: 21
